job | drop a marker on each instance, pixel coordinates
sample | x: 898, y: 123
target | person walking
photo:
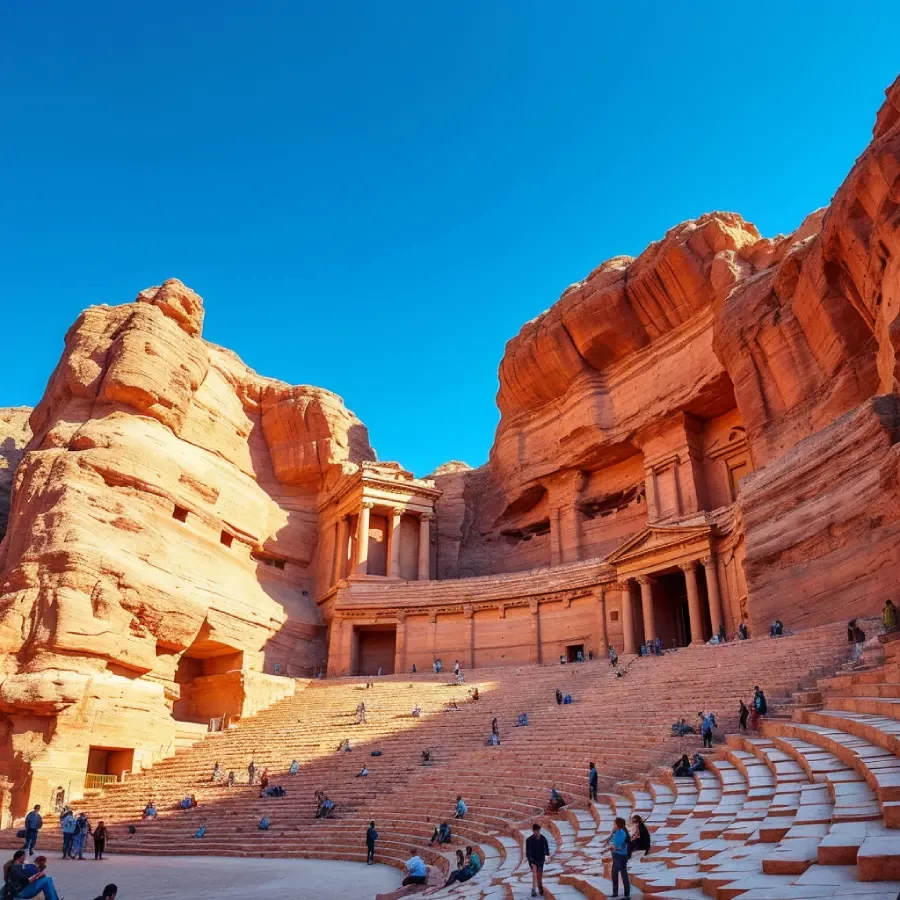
x: 707, y: 724
x: 251, y: 772
x: 100, y: 835
x: 33, y: 824
x: 68, y: 826
x: 743, y: 713
x: 537, y: 850
x: 592, y: 782
x: 371, y: 837
x: 619, y: 841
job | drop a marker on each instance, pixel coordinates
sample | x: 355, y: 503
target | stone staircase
x: 772, y: 813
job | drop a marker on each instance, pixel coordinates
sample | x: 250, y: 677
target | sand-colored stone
x: 14, y: 435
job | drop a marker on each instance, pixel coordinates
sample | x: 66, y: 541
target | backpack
x: 264, y: 823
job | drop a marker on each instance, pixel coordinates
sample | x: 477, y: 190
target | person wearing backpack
x: 33, y: 824
x: 371, y: 837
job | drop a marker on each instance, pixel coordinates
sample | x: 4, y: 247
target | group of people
x: 562, y: 698
x: 684, y: 767
x: 75, y: 831
x: 23, y: 880
x: 758, y: 708
x: 653, y: 647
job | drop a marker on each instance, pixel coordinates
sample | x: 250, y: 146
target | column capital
x: 709, y: 561
x: 426, y: 516
x: 533, y: 606
x: 367, y: 504
x: 468, y: 611
x: 622, y: 585
x: 401, y: 616
x: 644, y: 579
x: 688, y: 566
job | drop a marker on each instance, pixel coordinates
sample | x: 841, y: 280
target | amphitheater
x: 201, y: 565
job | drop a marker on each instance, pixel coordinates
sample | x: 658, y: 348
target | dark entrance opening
x: 673, y: 621
x: 572, y: 651
x: 376, y: 649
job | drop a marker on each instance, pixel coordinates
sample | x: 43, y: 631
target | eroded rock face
x: 14, y: 435
x: 162, y: 530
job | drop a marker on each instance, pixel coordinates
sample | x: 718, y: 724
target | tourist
x: 413, y: 668
x: 251, y: 772
x: 295, y: 767
x: 438, y: 667
x: 461, y: 808
x: 18, y: 856
x: 682, y: 768
x: 82, y: 830
x: 557, y: 802
x: 60, y: 799
x: 415, y: 869
x: 592, y: 782
x: 264, y: 779
x: 722, y: 635
x: 707, y: 724
x: 216, y: 774
x: 452, y: 706
x: 460, y: 678
x: 579, y: 657
x: 371, y: 837
x: 680, y: 729
x: 776, y: 629
x: 698, y: 765
x: 659, y: 646
x: 100, y: 837
x: 523, y: 720
x: 640, y: 836
x: 361, y: 713
x: 495, y: 729
x: 475, y: 693
x: 379, y: 672
x: 21, y: 882
x: 613, y: 661
x: 344, y: 746
x: 426, y: 757
x: 536, y: 852
x: 889, y: 616
x: 324, y: 806
x: 567, y: 699
x: 743, y: 712
x: 230, y: 780
x: 743, y: 633
x: 857, y: 637
x: 559, y: 697
x: 759, y: 701
x: 150, y: 809
x: 33, y: 824
x: 68, y: 826
x: 109, y: 893
x: 441, y: 834
x: 471, y: 867
x: 363, y: 772
x: 619, y: 841
x: 456, y: 667
x: 460, y: 865
x: 417, y: 712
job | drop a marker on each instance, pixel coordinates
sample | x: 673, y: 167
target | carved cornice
x: 468, y: 611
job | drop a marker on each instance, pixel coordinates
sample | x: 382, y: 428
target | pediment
x: 658, y: 538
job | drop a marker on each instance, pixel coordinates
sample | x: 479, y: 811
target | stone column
x: 535, y: 654
x: 340, y: 550
x: 469, y: 614
x: 425, y: 547
x: 646, y: 584
x: 690, y: 577
x: 602, y: 640
x: 712, y: 590
x: 400, y: 649
x: 394, y: 562
x: 362, y: 539
x: 628, y: 617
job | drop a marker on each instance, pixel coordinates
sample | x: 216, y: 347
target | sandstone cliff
x: 162, y: 535
x: 14, y: 435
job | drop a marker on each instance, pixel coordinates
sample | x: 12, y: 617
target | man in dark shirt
x: 592, y: 781
x: 33, y: 824
x: 22, y: 884
x: 371, y: 837
x: 109, y: 892
x: 536, y: 852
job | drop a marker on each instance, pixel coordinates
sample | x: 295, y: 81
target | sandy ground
x: 221, y: 877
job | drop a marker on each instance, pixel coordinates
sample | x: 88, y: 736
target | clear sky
x: 373, y: 197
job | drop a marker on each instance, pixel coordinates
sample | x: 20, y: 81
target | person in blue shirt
x: 416, y: 871
x: 619, y: 843
x: 707, y: 723
x: 33, y: 824
x: 592, y: 781
x: 461, y: 809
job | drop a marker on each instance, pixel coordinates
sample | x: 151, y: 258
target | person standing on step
x: 456, y: 667
x: 537, y: 850
x: 371, y: 837
x: 619, y: 845
x: 707, y: 724
x: 613, y: 656
x: 759, y: 701
x: 251, y: 772
x: 592, y: 782
x: 33, y: 824
x: 100, y: 836
x: 559, y: 697
x: 461, y: 808
x: 68, y: 833
x: 889, y: 616
x: 743, y: 633
x: 415, y: 869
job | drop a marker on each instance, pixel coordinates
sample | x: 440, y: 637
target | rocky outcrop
x: 162, y: 530
x: 14, y: 435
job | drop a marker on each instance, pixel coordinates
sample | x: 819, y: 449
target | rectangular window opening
x: 180, y: 513
x: 226, y: 538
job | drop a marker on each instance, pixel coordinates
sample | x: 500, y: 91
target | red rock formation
x: 14, y: 435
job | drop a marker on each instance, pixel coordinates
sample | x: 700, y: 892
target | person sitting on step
x: 417, y: 712
x: 698, y: 765
x: 557, y: 802
x: 415, y: 869
x: 149, y: 811
x: 295, y: 767
x: 680, y: 729
x: 523, y: 720
x: 363, y: 772
x: 640, y: 836
x: 361, y: 714
x: 682, y: 768
x: 216, y: 774
x: 441, y: 834
x: 426, y: 757
x: 470, y: 867
x: 229, y: 782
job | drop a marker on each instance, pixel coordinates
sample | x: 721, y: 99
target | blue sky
x: 373, y: 197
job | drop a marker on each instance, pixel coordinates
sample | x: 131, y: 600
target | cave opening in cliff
x: 208, y: 677
x: 106, y: 765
